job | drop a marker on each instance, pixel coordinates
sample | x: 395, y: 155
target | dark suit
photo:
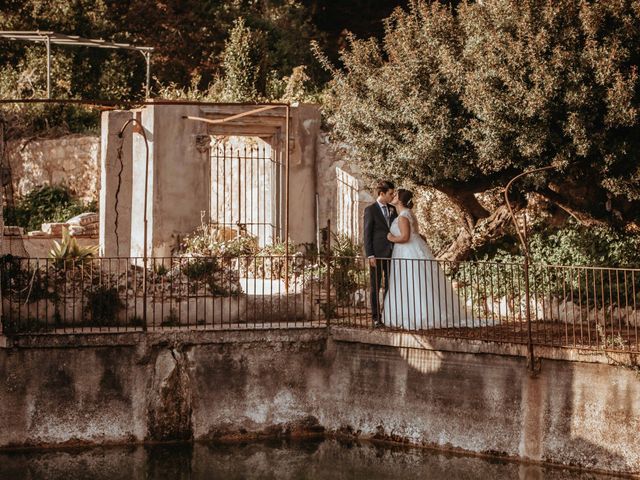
x: 377, y: 245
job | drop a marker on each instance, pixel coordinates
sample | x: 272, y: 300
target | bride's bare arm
x: 405, y: 231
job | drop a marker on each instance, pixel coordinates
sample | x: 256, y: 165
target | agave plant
x: 68, y: 252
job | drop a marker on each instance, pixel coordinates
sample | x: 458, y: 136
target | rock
x: 84, y: 219
x: 10, y: 230
x: 38, y: 233
x: 169, y: 408
x: 76, y: 230
x: 54, y: 228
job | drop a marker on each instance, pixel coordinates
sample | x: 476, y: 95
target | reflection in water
x: 314, y: 460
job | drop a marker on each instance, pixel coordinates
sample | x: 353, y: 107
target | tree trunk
x: 484, y: 231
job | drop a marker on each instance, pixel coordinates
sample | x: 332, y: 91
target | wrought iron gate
x: 247, y: 189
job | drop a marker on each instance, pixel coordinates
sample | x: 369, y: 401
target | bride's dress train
x: 420, y: 295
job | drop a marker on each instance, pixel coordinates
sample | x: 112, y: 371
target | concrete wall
x: 179, y: 176
x: 39, y: 247
x: 116, y: 168
x: 72, y: 160
x: 305, y: 128
x: 177, y: 179
x: 330, y: 159
x: 247, y: 385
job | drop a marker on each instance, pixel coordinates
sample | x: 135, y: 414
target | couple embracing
x: 417, y: 293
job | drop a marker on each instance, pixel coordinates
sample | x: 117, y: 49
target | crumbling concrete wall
x: 180, y: 185
x: 333, y: 204
x: 246, y: 385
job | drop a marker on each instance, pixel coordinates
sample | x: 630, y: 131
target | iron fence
x: 569, y: 306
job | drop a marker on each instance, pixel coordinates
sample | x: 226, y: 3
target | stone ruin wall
x: 72, y: 160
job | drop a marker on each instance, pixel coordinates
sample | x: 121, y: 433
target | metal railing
x: 569, y: 306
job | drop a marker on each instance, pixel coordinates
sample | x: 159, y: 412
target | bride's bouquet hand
x: 390, y: 237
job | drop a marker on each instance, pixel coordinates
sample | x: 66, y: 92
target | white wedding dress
x: 420, y: 295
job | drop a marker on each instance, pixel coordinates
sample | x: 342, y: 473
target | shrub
x: 103, y: 304
x: 571, y: 245
x: 218, y: 273
x: 68, y: 253
x: 346, y: 274
x: 49, y: 203
x: 26, y: 282
x: 211, y: 241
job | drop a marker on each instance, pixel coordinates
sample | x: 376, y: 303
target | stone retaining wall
x: 72, y: 160
x: 225, y: 386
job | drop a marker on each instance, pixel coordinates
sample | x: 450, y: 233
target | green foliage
x: 344, y: 246
x: 45, y: 204
x: 241, y: 63
x: 26, y: 282
x: 219, y: 274
x: 463, y: 100
x: 347, y: 274
x: 200, y: 268
x: 103, y: 305
x: 68, y: 253
x: 399, y: 107
x: 571, y: 244
x: 209, y: 240
x: 576, y: 245
x: 189, y: 39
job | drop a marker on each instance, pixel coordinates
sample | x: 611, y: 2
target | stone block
x: 76, y: 230
x: 54, y: 228
x: 84, y: 219
x: 10, y: 230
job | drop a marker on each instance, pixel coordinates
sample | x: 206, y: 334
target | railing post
x: 527, y: 295
x: 1, y: 276
x: 328, y: 257
x: 532, y: 366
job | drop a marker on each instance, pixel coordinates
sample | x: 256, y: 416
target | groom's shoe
x: 377, y: 324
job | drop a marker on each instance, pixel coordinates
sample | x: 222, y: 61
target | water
x: 313, y: 460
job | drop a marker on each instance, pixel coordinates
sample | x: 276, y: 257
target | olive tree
x: 462, y: 100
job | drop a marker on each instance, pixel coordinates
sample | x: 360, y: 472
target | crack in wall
x: 117, y: 194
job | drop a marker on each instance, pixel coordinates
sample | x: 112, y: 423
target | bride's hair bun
x: 405, y: 197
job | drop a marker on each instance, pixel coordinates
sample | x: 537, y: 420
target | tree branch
x: 485, y: 231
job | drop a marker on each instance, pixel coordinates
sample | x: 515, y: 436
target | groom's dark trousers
x: 376, y: 228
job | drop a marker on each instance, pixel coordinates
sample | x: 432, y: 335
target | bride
x: 420, y: 295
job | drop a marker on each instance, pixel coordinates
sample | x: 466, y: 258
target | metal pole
x: 145, y: 258
x: 525, y: 248
x: 147, y: 57
x: 318, y: 235
x: 286, y: 201
x: 329, y: 258
x: 48, y: 43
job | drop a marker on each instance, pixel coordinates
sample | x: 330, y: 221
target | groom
x: 377, y: 220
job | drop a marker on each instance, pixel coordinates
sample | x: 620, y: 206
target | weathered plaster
x: 224, y: 386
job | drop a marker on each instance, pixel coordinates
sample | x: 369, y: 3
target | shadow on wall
x: 510, y: 413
